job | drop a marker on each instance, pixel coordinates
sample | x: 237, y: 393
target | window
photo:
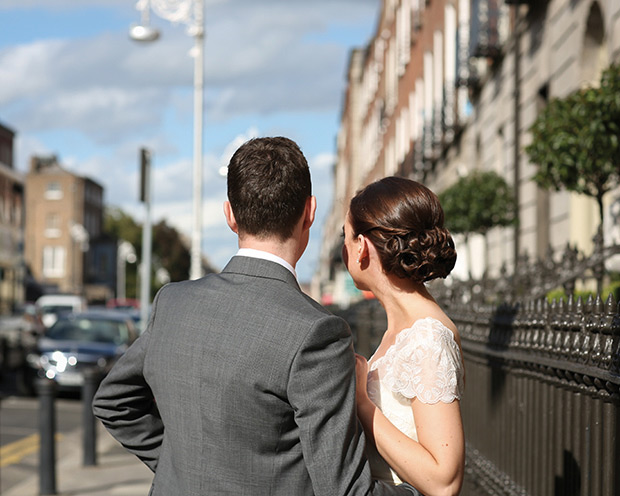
x: 3, y: 202
x: 52, y: 225
x: 594, y: 56
x: 450, y: 55
x: 427, y: 135
x: 53, y: 261
x: 403, y: 35
x: 53, y: 191
x: 391, y: 80
x: 6, y: 155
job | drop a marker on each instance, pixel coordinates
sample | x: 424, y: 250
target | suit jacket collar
x: 258, y: 267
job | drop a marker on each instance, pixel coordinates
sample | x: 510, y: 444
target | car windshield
x: 57, y: 308
x: 100, y: 331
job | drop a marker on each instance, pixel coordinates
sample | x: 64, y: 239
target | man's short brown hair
x: 268, y: 185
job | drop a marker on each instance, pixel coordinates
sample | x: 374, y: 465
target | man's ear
x: 230, y: 217
x: 309, y: 212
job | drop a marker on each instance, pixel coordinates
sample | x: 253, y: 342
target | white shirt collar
x: 265, y: 255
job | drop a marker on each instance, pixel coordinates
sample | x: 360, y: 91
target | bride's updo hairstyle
x: 404, y: 221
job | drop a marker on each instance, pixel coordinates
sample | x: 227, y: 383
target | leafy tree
x: 575, y: 140
x: 121, y: 225
x: 477, y: 203
x: 169, y: 251
x: 172, y: 254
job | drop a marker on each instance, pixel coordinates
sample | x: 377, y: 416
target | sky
x: 73, y: 84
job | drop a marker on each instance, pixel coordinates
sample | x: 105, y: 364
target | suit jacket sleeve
x: 125, y: 404
x: 322, y: 392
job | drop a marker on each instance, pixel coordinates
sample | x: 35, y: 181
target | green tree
x: 122, y: 226
x: 169, y: 251
x: 477, y: 203
x: 172, y: 253
x: 575, y: 140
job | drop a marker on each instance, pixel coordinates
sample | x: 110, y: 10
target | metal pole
x: 120, y: 272
x: 517, y: 129
x: 47, y: 430
x: 91, y: 381
x: 145, y: 281
x: 196, y: 257
x: 4, y: 355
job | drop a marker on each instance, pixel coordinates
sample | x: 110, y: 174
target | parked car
x: 52, y: 305
x: 78, y: 341
x: 123, y: 303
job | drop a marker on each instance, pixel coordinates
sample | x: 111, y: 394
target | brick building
x: 445, y: 87
x: 64, y: 217
x: 11, y: 226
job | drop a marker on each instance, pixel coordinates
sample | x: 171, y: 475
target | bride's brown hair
x: 404, y: 220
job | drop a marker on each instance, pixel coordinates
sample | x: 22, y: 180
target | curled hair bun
x: 420, y: 256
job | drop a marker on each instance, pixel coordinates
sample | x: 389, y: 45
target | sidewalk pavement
x: 117, y: 473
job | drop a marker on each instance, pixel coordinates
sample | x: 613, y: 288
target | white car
x: 52, y: 305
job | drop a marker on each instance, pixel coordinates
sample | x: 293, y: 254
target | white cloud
x: 324, y: 161
x: 25, y: 70
x: 90, y: 95
x: 232, y: 147
x: 240, y: 4
x: 268, y: 65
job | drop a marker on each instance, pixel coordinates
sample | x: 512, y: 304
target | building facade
x: 64, y: 216
x: 11, y: 227
x: 446, y: 87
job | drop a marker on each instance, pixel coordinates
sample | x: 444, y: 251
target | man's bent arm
x: 125, y: 404
x: 322, y: 392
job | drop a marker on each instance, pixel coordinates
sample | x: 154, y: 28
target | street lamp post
x: 147, y: 237
x: 125, y: 253
x: 191, y: 13
x: 80, y: 238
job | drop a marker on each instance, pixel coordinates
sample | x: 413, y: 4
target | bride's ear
x: 363, y: 249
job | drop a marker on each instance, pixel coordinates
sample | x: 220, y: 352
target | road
x: 19, y: 436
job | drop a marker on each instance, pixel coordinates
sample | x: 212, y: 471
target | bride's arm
x: 434, y: 465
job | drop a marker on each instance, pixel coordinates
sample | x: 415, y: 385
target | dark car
x: 80, y: 341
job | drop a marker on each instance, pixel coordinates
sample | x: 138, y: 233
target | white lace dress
x: 424, y: 362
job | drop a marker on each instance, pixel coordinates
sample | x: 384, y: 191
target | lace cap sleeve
x: 425, y: 362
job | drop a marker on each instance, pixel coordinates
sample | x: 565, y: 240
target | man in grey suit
x: 241, y: 384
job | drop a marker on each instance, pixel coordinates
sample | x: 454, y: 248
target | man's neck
x: 286, y: 250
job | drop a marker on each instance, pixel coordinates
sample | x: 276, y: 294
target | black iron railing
x: 542, y: 405
x: 541, y: 409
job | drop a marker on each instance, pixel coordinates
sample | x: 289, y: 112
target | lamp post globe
x: 138, y: 32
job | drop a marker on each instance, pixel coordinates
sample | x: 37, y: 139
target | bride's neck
x: 403, y: 304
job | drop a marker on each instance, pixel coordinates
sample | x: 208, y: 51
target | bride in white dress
x: 408, y: 394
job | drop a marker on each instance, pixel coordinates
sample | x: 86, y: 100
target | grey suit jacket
x: 241, y: 385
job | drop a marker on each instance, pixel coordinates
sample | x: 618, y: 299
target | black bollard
x: 46, y: 389
x: 4, y: 356
x: 89, y: 388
